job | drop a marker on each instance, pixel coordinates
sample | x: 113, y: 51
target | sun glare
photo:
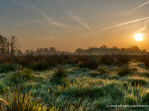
x: 138, y: 37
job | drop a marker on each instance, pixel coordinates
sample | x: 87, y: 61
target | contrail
x: 145, y: 27
x: 79, y: 20
x: 140, y: 6
x: 48, y: 18
x: 125, y: 23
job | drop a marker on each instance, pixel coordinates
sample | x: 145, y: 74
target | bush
x: 60, y: 72
x: 6, y: 68
x: 114, y: 59
x: 40, y: 66
x: 90, y: 63
x: 22, y: 75
x: 59, y: 76
x: 102, y: 70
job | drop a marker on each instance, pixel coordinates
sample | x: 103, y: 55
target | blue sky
x: 70, y: 24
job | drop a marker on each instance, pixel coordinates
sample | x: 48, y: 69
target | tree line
x: 10, y: 46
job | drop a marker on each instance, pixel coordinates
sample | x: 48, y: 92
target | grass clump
x: 124, y: 71
x: 137, y: 82
x: 103, y: 102
x: 22, y: 75
x: 20, y: 101
x: 59, y: 77
x: 130, y: 99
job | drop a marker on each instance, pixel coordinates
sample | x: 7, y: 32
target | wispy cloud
x: 48, y: 18
x: 30, y: 22
x: 125, y: 23
x: 79, y: 20
x: 140, y: 6
x: 145, y: 27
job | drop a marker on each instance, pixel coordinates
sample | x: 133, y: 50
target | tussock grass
x: 59, y: 77
x: 135, y: 81
x: 21, y: 75
x: 125, y: 71
x: 20, y: 101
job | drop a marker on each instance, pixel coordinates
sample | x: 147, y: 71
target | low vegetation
x: 74, y: 83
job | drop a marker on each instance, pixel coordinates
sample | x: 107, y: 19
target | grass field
x: 76, y: 86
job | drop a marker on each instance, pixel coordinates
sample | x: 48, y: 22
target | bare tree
x: 13, y: 45
x: 3, y: 45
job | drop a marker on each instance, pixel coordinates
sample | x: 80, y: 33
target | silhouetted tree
x: 13, y: 45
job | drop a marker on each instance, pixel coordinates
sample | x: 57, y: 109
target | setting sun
x: 138, y: 37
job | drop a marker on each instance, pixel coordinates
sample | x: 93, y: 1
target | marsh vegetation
x: 73, y: 83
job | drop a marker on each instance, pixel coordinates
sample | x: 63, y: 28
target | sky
x: 71, y: 24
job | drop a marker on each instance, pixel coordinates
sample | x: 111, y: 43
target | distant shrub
x: 25, y: 74
x: 59, y: 76
x: 146, y: 61
x: 114, y: 59
x: 40, y: 66
x: 124, y: 71
x: 60, y: 72
x: 102, y: 70
x: 90, y: 63
x: 7, y: 67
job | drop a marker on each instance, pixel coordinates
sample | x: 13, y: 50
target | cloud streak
x: 125, y: 23
x: 145, y: 27
x: 30, y: 22
x: 79, y: 20
x: 140, y: 6
x: 48, y: 18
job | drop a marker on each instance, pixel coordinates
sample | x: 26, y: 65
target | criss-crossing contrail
x: 125, y: 23
x: 145, y: 27
x: 140, y: 6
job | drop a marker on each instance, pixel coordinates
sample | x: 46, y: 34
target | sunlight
x: 138, y: 37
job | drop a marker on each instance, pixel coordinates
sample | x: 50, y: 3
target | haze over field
x: 69, y: 24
